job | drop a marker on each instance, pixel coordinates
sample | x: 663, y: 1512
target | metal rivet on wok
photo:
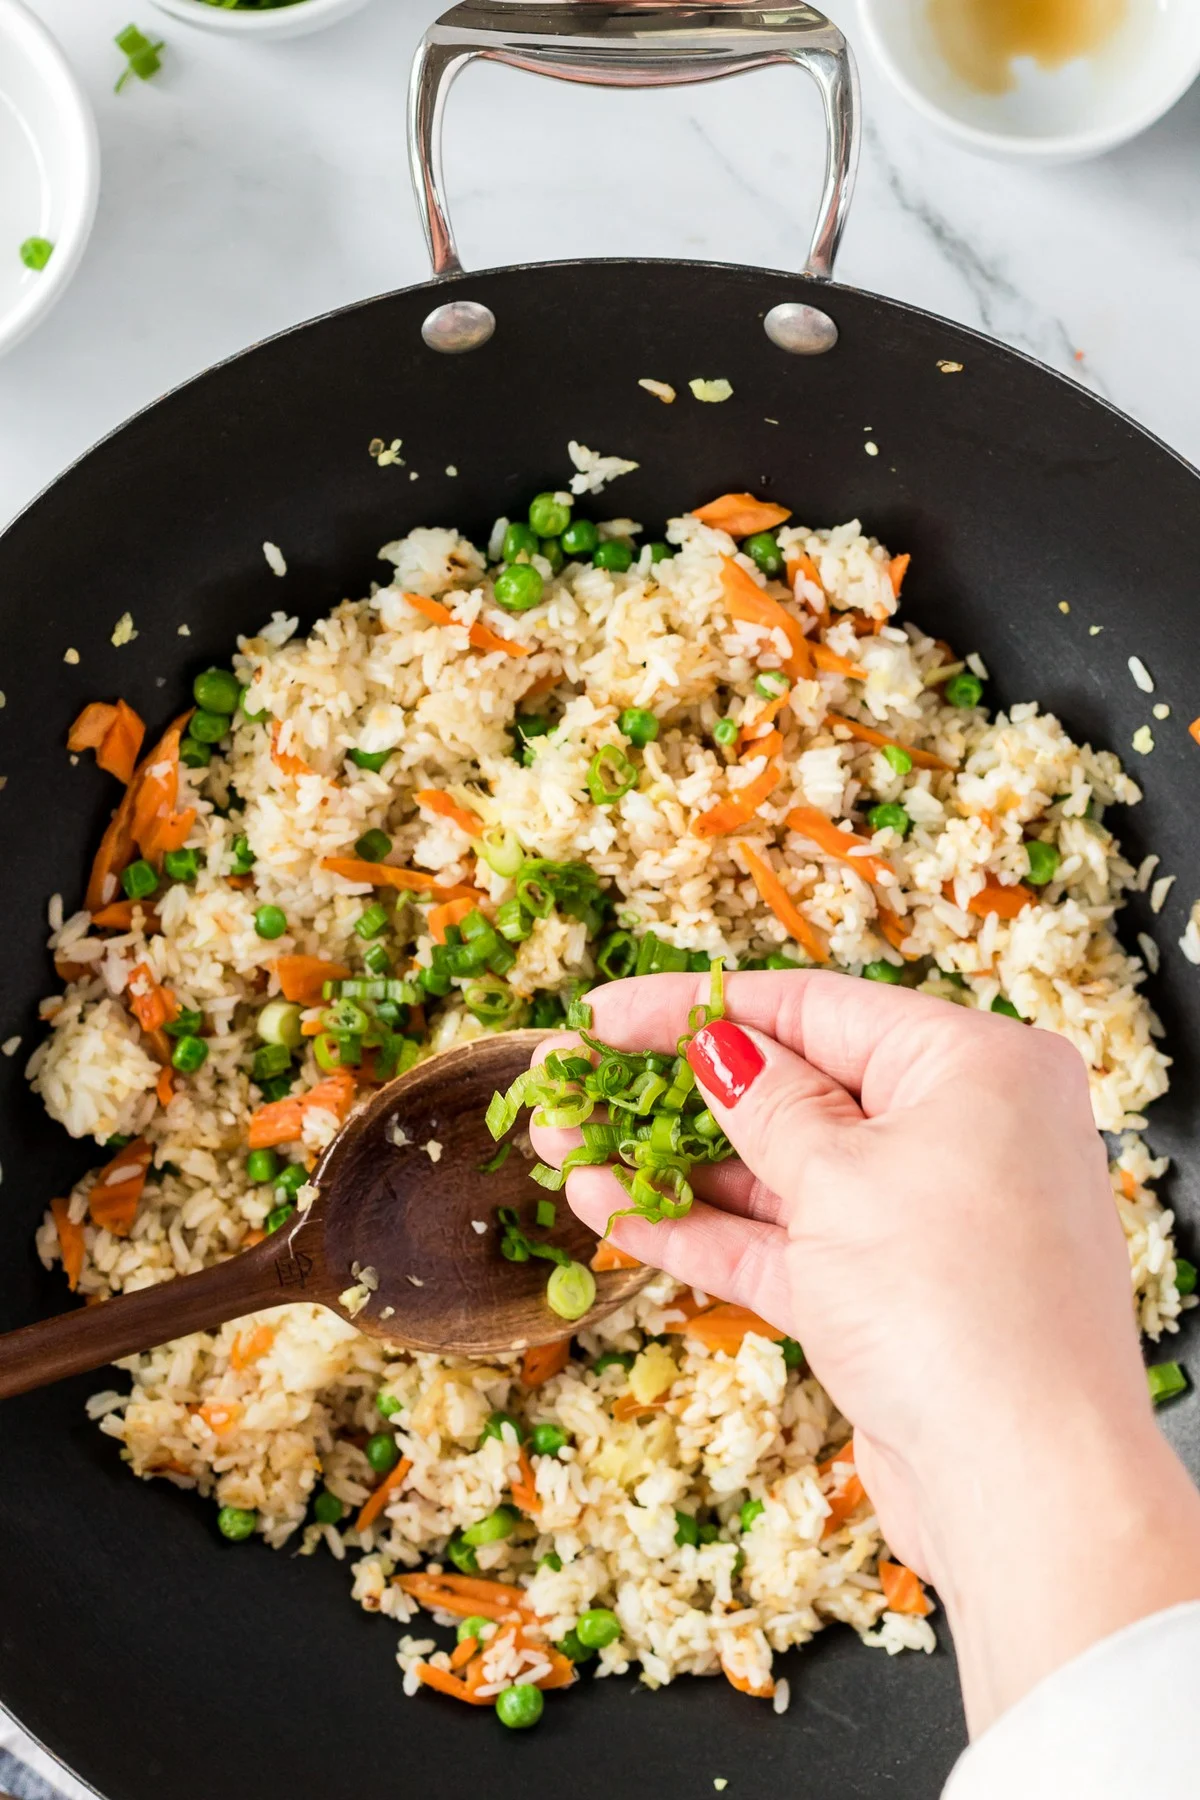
x: 802, y: 330
x: 458, y: 325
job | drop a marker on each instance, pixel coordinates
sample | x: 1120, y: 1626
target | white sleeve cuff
x: 1114, y: 1724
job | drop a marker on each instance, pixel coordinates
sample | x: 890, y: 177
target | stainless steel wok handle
x: 637, y: 43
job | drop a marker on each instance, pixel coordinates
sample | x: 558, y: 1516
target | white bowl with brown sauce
x: 1039, y: 80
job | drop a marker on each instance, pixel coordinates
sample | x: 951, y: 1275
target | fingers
x: 727, y: 1256
x: 866, y: 1036
x: 729, y: 1185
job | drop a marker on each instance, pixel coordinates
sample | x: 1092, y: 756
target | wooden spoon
x: 387, y: 1207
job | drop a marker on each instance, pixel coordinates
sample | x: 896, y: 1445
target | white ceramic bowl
x: 49, y: 169
x: 278, y: 22
x: 1060, y: 114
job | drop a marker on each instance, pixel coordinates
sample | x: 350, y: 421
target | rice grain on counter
x: 723, y: 1523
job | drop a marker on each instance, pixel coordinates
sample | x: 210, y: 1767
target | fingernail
x: 725, y: 1060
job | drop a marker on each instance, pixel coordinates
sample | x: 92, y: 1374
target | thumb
x: 774, y: 1107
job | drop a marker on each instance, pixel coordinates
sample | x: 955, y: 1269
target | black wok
x: 145, y: 1652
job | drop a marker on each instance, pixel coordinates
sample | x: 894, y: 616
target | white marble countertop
x: 250, y: 186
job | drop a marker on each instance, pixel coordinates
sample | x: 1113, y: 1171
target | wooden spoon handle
x: 270, y: 1274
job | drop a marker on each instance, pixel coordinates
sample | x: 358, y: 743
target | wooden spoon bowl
x: 391, y: 1242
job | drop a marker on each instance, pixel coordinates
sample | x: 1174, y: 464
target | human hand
x: 922, y: 1199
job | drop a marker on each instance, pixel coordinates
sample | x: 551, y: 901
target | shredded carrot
x: 776, y: 896
x: 445, y: 1683
x: 750, y: 606
x: 282, y: 1121
x: 545, y: 684
x: 68, y: 970
x: 744, y: 1686
x: 894, y: 929
x: 866, y: 734
x: 1128, y: 1185
x: 1006, y: 902
x: 164, y: 1087
x: 113, y: 1200
x: 287, y: 760
x: 524, y: 1489
x: 845, y: 1456
x: 474, y: 1587
x: 436, y: 802
x: 741, y: 515
x: 119, y: 916
x: 722, y: 1327
x: 152, y: 1005
x: 303, y: 978
x: 92, y: 726
x: 760, y: 728
x: 545, y: 1361
x: 118, y: 753
x: 462, y: 1653
x: 450, y: 912
x: 70, y: 1242
x: 609, y: 1257
x: 740, y: 808
x: 145, y: 819
x: 628, y: 1406
x: 902, y: 1590
x: 480, y: 637
x: 848, y: 1493
x: 221, y: 1416
x: 394, y: 1479
x: 1194, y: 730
x: 804, y: 565
x: 247, y: 1347
x: 833, y: 664
x: 897, y: 570
x: 435, y: 1595
x: 767, y: 746
x: 413, y: 881
x: 822, y: 832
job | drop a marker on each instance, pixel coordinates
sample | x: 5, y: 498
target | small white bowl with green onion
x: 257, y: 19
x: 49, y: 172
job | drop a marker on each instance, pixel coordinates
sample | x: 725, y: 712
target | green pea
x: 235, y: 1523
x: 262, y: 1165
x: 495, y: 1428
x: 1005, y: 1007
x: 1043, y: 861
x: 793, y: 1355
x: 597, y: 1628
x: 460, y: 1553
x: 139, y: 880
x: 279, y: 1217
x: 1185, y: 1275
x: 763, y: 549
x: 613, y: 1359
x: 499, y: 1524
x: 552, y: 550
x: 387, y: 1405
x: 548, y: 1440
x: 549, y: 516
x: 551, y: 1560
x: 777, y: 960
x: 368, y: 759
x: 882, y: 971
x: 182, y: 865
x: 189, y: 1054
x: 373, y: 846
x: 899, y: 759
x: 251, y: 718
x: 518, y: 587
x: 964, y: 690
x: 209, y: 727
x: 327, y: 1508
x: 751, y: 1510
x: 660, y: 552
x: 571, y: 1646
x: 520, y: 540
x: 244, y: 858
x: 687, y: 1529
x: 217, y: 691
x: 193, y: 754
x: 289, y: 1181
x: 474, y: 1627
x: 614, y: 555
x: 382, y: 1452
x: 638, y: 725
x: 270, y: 922
x: 579, y: 538
x: 520, y: 1707
x: 889, y: 817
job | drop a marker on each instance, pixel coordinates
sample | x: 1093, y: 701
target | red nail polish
x: 725, y: 1060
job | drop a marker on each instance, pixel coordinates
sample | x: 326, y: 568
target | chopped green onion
x: 610, y: 775
x: 1043, y: 861
x: 1005, y: 1007
x: 369, y: 759
x: 545, y: 1215
x: 501, y: 851
x: 496, y: 1161
x: 900, y: 760
x: 139, y: 880
x: 186, y: 1023
x: 617, y: 955
x: 36, y: 252
x: 270, y: 1060
x: 772, y: 684
x: 373, y: 846
x: 372, y: 922
x: 490, y: 1000
x: 376, y: 959
x: 182, y: 865
x: 571, y: 1290
x: 638, y: 725
x: 279, y: 1023
x: 613, y: 1359
x: 142, y: 56
x: 512, y: 921
x: 882, y: 971
x: 687, y: 1528
x: 244, y: 858
x: 751, y: 1510
x: 279, y: 1217
x: 1185, y: 1275
x: 1166, y: 1381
